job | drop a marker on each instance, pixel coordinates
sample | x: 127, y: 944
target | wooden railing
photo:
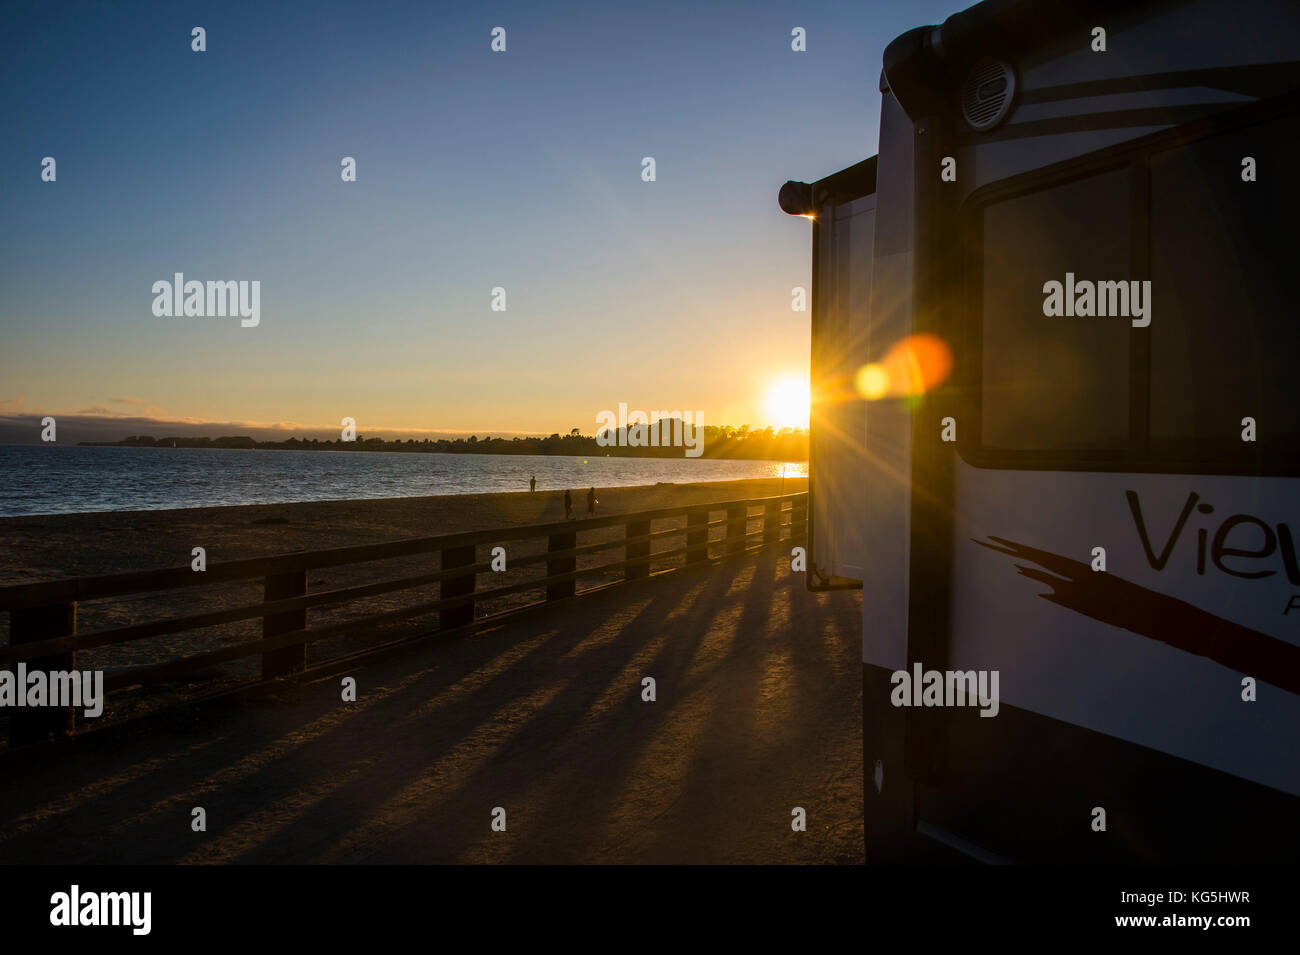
x: 42, y: 616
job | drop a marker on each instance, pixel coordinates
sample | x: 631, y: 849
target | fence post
x: 737, y: 524
x: 290, y: 659
x: 32, y: 724
x: 798, y: 517
x: 561, y: 565
x: 697, y: 536
x: 771, y: 522
x: 458, y: 586
x: 641, y: 568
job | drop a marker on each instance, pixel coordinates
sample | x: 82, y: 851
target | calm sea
x: 49, y: 479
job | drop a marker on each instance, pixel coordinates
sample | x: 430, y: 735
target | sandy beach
x: 65, y: 545
x: 47, y: 547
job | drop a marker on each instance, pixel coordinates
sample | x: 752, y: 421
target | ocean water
x: 53, y: 479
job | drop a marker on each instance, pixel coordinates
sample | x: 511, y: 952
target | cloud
x: 101, y: 423
x: 144, y: 410
x: 98, y: 423
x: 139, y: 406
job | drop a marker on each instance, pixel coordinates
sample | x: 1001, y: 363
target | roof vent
x: 987, y: 93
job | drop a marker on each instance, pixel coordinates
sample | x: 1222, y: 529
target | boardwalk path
x: 758, y: 711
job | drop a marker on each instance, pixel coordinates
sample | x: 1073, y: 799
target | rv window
x: 1224, y: 333
x: 1168, y: 383
x: 1054, y: 383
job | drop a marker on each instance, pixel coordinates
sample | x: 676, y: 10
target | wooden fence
x: 43, y: 616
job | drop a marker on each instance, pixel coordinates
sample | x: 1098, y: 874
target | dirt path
x: 758, y: 711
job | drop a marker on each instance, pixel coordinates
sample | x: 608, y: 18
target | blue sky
x: 475, y: 169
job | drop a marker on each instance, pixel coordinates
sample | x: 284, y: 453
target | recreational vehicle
x: 1056, y: 432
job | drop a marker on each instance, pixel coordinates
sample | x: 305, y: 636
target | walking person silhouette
x: 568, y: 506
x: 532, y: 483
x: 592, y: 502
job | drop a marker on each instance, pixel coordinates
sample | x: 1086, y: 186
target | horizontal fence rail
x: 43, y: 616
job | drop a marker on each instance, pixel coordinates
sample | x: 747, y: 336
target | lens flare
x: 911, y: 367
x: 872, y: 382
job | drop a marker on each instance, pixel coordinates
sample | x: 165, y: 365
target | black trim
x: 1259, y: 80
x: 1092, y: 122
x: 932, y: 465
x: 914, y: 74
x: 795, y: 199
x: 917, y: 63
x: 853, y: 182
x: 848, y: 184
x: 1023, y: 786
x: 1029, y: 24
x: 1139, y: 457
x: 1139, y: 399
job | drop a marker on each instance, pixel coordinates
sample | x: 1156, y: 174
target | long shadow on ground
x: 757, y: 711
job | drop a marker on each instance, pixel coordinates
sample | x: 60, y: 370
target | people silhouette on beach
x: 592, y: 502
x: 568, y: 506
x: 532, y: 483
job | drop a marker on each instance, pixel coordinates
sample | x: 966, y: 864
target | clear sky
x: 474, y: 170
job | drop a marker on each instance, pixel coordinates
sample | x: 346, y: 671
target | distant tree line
x: 722, y: 442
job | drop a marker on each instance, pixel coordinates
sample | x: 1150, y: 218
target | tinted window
x: 1225, y: 333
x: 1054, y: 383
x: 1223, y: 336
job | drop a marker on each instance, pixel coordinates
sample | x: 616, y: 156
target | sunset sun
x: 786, y: 402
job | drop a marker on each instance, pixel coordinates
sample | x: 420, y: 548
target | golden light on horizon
x: 787, y: 401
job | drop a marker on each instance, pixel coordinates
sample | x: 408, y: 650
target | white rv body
x: 1177, y: 665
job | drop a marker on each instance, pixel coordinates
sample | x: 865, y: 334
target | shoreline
x: 364, y: 450
x: 107, y: 480
x: 48, y: 546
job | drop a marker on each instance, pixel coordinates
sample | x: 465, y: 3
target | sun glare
x: 911, y: 367
x: 787, y: 402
